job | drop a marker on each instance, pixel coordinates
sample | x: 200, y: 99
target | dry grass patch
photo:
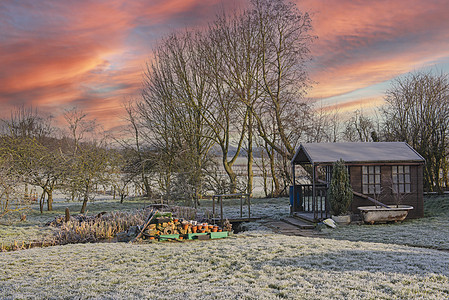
x: 95, y: 229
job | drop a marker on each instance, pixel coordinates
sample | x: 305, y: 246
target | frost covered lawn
x: 432, y: 231
x: 250, y: 265
x: 256, y: 264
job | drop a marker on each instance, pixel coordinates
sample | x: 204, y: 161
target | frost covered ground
x: 275, y: 208
x: 352, y: 262
x: 432, y: 231
x: 251, y: 265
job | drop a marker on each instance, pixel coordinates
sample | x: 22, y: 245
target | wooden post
x: 221, y: 209
x: 241, y: 205
x: 313, y: 190
x: 295, y: 208
x: 249, y: 207
x: 213, y: 207
x: 67, y: 214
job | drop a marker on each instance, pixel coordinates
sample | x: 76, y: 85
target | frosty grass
x: 255, y: 264
x: 248, y: 265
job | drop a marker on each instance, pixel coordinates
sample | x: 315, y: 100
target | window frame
x: 371, y: 179
x: 401, y: 181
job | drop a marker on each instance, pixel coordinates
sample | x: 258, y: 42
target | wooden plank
x: 229, y: 195
x: 370, y: 199
x: 151, y: 216
x: 240, y: 220
x: 298, y: 223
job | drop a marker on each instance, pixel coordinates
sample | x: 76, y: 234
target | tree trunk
x: 26, y: 194
x: 277, y: 189
x: 41, y: 202
x: 49, y: 199
x: 147, y: 186
x: 264, y: 175
x: 231, y: 174
x: 86, y: 198
x: 67, y: 214
x: 445, y: 173
x: 249, y: 188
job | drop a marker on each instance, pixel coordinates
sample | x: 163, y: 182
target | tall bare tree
x: 283, y: 47
x: 243, y: 77
x: 174, y: 97
x: 139, y: 159
x: 417, y: 112
x: 235, y: 39
x: 89, y: 160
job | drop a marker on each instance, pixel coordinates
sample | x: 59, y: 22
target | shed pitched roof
x: 322, y: 153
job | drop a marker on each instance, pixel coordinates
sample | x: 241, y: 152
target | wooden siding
x: 415, y: 198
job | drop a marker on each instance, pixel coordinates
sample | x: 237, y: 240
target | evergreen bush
x: 340, y: 192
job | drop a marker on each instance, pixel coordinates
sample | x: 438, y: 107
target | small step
x: 298, y: 223
x: 305, y: 217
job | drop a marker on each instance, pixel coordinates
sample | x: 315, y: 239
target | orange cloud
x: 88, y: 53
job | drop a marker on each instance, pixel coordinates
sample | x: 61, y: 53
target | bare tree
x: 417, y: 112
x: 10, y: 198
x: 174, y: 98
x: 235, y: 41
x: 27, y: 122
x: 283, y: 47
x: 36, y: 153
x: 79, y: 125
x: 360, y: 128
x: 243, y: 77
x: 139, y: 162
x: 89, y: 161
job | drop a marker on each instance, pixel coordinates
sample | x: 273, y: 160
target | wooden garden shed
x: 390, y: 172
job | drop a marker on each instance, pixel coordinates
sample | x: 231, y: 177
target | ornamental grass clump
x: 100, y: 228
x: 340, y: 191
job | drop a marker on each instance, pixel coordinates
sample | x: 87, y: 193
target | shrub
x: 340, y: 192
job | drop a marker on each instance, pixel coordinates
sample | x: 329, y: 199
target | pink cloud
x: 56, y: 54
x: 363, y: 43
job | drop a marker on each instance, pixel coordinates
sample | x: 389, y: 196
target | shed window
x: 401, y: 179
x: 371, y: 179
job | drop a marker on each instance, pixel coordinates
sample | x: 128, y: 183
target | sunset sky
x: 58, y: 54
